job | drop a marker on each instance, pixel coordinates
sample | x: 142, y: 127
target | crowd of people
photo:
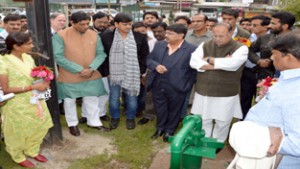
x: 157, y: 70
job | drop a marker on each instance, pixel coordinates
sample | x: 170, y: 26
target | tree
x: 292, y: 6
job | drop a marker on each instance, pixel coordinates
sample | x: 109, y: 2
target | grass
x: 135, y: 149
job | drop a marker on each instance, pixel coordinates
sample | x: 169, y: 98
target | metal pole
x: 39, y: 24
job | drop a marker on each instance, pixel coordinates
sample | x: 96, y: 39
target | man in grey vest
x: 219, y: 63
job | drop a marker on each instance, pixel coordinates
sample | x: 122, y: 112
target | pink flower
x: 42, y: 74
x: 34, y: 73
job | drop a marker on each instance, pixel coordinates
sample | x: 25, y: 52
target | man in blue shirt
x: 279, y: 110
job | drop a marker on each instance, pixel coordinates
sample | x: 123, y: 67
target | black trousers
x: 248, y: 90
x: 168, y: 104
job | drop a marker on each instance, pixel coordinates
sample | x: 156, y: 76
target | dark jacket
x: 142, y: 50
x: 261, y: 46
x: 180, y: 75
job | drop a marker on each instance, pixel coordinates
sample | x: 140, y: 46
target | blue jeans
x: 114, y: 102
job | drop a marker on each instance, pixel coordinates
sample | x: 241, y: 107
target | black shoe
x: 130, y: 123
x: 104, y: 118
x: 143, y: 121
x: 114, y: 123
x: 82, y: 120
x: 74, y: 130
x: 61, y: 108
x: 157, y: 134
x: 166, y: 137
x: 100, y: 128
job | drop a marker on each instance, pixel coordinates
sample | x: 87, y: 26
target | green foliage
x: 293, y: 7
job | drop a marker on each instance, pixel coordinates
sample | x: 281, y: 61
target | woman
x: 24, y: 124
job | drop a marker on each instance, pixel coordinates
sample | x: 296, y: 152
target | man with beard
x: 24, y: 26
x: 149, y: 19
x: 281, y: 22
x: 12, y: 23
x: 100, y: 24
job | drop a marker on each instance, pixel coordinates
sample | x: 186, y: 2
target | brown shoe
x: 74, y: 130
x: 100, y: 128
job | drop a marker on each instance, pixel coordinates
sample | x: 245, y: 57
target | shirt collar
x: 235, y: 32
x: 177, y: 46
x: 290, y: 74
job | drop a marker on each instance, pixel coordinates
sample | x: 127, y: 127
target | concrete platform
x: 224, y: 157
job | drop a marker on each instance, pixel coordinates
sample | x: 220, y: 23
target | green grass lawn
x: 135, y: 148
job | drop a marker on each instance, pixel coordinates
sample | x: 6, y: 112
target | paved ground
x: 224, y: 157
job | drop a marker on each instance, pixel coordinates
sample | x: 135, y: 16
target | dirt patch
x: 72, y: 148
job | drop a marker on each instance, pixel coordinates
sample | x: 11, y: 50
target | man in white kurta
x: 219, y: 63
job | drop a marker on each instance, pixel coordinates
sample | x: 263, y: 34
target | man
x: 199, y: 33
x: 210, y: 23
x: 245, y: 23
x: 100, y: 24
x: 159, y: 31
x: 259, y: 26
x: 278, y: 112
x: 149, y: 18
x: 219, y: 63
x: 24, y: 27
x: 12, y: 23
x: 58, y: 22
x: 281, y: 22
x: 249, y: 77
x: 183, y: 20
x: 142, y: 28
x: 79, y: 52
x: 196, y: 36
x: 171, y: 78
x: 230, y: 16
x: 127, y: 52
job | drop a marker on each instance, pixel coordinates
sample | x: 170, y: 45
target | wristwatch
x: 208, y: 59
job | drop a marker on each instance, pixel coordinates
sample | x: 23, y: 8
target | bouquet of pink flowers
x: 263, y: 87
x: 42, y: 72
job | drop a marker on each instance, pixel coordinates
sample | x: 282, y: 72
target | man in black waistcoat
x: 219, y: 63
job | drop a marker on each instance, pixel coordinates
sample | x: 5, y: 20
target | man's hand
x: 207, y: 67
x: 264, y: 62
x: 86, y: 73
x: 161, y: 69
x: 276, y: 137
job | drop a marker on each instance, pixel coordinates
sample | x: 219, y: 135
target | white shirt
x: 220, y: 108
x: 4, y: 34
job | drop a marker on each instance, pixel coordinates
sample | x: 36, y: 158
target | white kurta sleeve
x: 196, y: 61
x: 237, y: 59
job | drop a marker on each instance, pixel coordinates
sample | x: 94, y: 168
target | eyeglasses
x: 198, y: 21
